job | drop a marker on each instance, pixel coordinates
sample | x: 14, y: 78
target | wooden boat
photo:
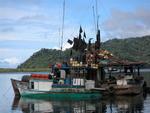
x: 124, y: 81
x: 124, y: 88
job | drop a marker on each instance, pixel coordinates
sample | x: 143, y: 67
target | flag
x: 80, y: 31
x: 79, y: 44
x: 75, y: 45
x: 84, y: 35
x: 70, y: 41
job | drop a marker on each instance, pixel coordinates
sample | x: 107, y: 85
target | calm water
x: 119, y: 104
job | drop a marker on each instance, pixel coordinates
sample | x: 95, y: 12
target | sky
x: 26, y: 26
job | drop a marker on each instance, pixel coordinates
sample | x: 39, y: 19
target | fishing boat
x: 59, y: 84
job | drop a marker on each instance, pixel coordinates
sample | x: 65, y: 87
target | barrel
x: 42, y: 76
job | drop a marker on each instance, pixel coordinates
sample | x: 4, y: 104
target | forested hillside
x: 133, y: 49
x: 44, y: 57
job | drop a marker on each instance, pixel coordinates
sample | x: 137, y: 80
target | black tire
x: 25, y: 78
x: 111, y: 90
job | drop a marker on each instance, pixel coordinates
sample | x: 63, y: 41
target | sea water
x: 118, y: 104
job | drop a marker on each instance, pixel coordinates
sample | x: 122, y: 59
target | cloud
x: 40, y: 23
x: 66, y: 46
x: 128, y: 24
x: 18, y: 53
x: 32, y: 25
x: 12, y: 61
x: 13, y: 13
x: 6, y: 29
x: 12, y: 57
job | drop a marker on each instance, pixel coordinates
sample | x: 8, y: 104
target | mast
x: 62, y: 33
x: 97, y: 14
x: 98, y: 38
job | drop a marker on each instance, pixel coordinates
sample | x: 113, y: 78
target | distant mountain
x: 132, y: 49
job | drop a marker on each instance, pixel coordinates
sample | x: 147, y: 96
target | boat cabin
x: 40, y: 85
x: 123, y: 73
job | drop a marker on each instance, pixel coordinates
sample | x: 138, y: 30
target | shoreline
x: 7, y: 70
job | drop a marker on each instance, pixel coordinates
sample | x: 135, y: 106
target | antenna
x: 94, y: 19
x: 62, y: 34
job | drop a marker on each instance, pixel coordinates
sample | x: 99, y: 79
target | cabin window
x: 32, y: 85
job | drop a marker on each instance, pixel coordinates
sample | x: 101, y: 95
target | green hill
x: 44, y: 57
x: 133, y: 49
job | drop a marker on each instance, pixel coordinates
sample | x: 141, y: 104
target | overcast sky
x: 26, y: 26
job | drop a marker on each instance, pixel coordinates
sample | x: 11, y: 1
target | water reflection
x: 49, y: 106
x: 119, y: 104
x: 124, y: 104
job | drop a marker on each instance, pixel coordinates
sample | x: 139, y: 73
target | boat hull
x: 21, y: 88
x: 63, y: 95
x: 123, y: 90
x: 130, y: 90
